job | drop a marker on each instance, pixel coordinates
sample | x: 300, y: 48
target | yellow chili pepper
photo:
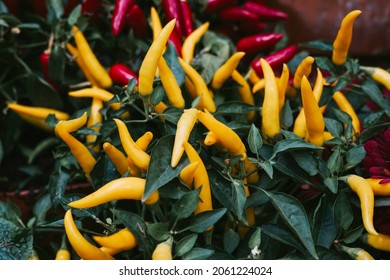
x: 259, y: 85
x: 183, y: 130
x: 379, y: 75
x: 253, y: 78
x: 96, y: 69
x: 163, y: 250
x: 155, y: 22
x: 95, y: 92
x: 187, y: 174
x: 270, y: 121
x: 244, y: 91
x: 366, y: 196
x: 345, y: 106
x: 144, y: 141
x: 343, y: 38
x: 225, y: 71
x: 119, y: 241
x: 63, y: 252
x: 201, y: 179
x: 303, y: 69
x: 315, y: 123
x: 206, y: 100
x: 378, y: 241
x: 190, y: 87
x: 300, y: 128
x: 78, y: 149
x: 378, y: 188
x: 282, y: 85
x: 94, y: 119
x: 250, y: 215
x: 117, y: 158
x: 356, y: 253
x: 121, y: 188
x: 83, y: 248
x: 80, y: 62
x: 73, y: 124
x: 171, y: 87
x: 139, y: 157
x: 149, y: 64
x: 190, y: 42
x: 37, y: 115
x: 225, y: 135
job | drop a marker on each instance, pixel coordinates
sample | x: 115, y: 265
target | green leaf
x: 158, y: 231
x: 286, y: 115
x: 56, y: 8
x: 325, y: 63
x: 206, y: 64
x: 74, y: 15
x: 41, y: 207
x: 10, y: 212
x: 185, y: 244
x: 103, y: 172
x: 373, y: 92
x: 255, y: 239
x: 57, y: 185
x: 332, y: 184
x: 267, y: 167
x: 171, y: 58
x: 138, y: 227
x: 373, y: 119
x: 355, y: 155
x: 57, y: 62
x: 197, y: 253
x: 256, y: 198
x: 16, y: 242
x: 157, y: 95
x: 306, y: 161
x: 160, y: 171
x: 41, y: 94
x: 333, y: 126
x: 282, y: 235
x: 221, y: 189
x: 320, y: 45
x: 342, y: 82
x: 335, y: 161
x: 324, y: 227
x: 293, y: 213
x: 370, y: 131
x: 185, y: 206
x: 353, y: 235
x: 255, y: 141
x: 231, y: 239
x: 343, y: 214
x: 235, y: 107
x: 294, y: 171
x: 206, y: 219
x: 238, y: 198
x: 288, y: 145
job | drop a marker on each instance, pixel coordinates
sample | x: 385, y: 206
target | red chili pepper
x: 121, y: 74
x: 172, y: 9
x: 121, y: 10
x: 256, y: 43
x: 238, y: 14
x: 137, y: 21
x: 214, y: 6
x: 187, y: 17
x: 264, y: 11
x: 275, y: 59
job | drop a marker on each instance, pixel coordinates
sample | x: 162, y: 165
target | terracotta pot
x: 314, y: 20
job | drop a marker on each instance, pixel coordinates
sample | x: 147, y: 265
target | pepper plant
x: 176, y: 139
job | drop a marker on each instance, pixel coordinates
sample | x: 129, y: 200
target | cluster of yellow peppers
x: 134, y: 162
